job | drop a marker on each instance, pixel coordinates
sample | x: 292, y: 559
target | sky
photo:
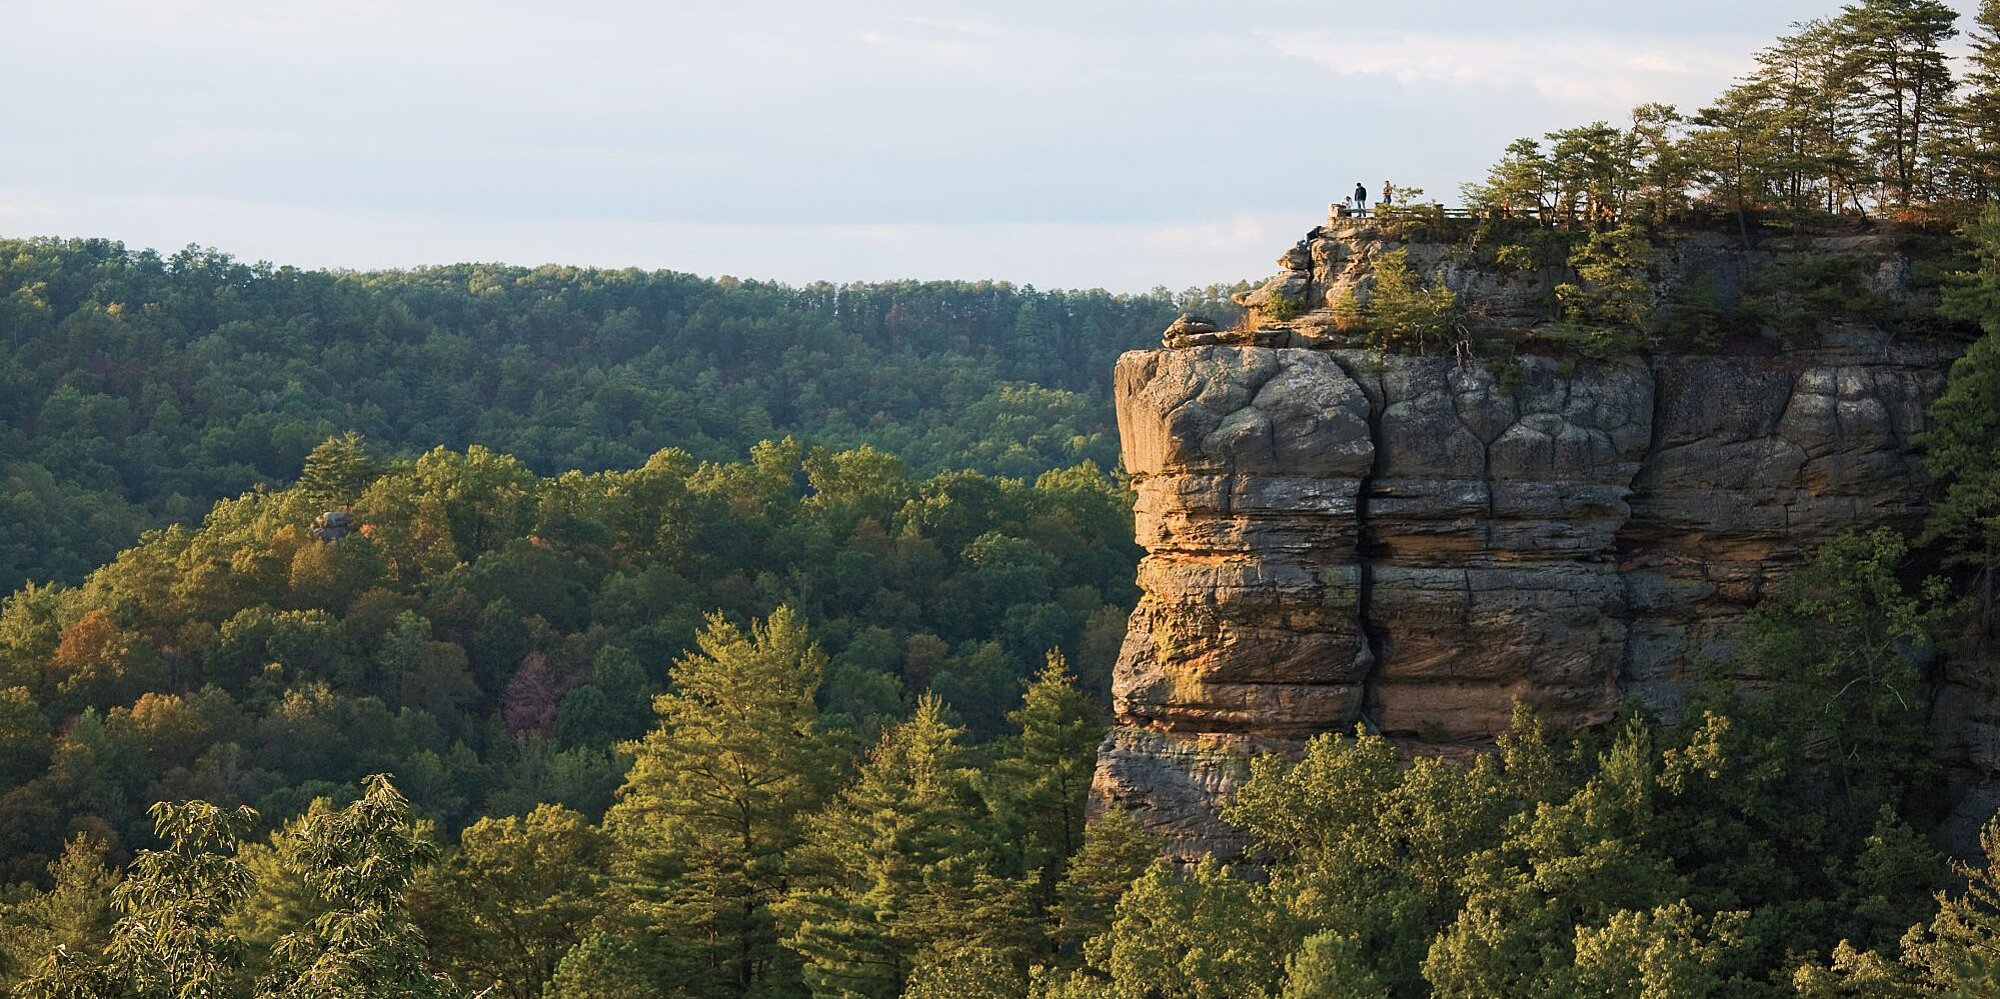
x: 1123, y: 144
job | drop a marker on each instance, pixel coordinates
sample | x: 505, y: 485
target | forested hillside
x: 137, y: 388
x: 565, y: 634
x: 490, y: 635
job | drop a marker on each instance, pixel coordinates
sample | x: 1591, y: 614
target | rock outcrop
x: 1336, y: 537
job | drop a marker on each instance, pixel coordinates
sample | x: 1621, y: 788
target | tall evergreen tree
x: 1041, y: 776
x: 338, y: 470
x: 1811, y: 90
x: 1899, y: 45
x: 1962, y: 446
x: 1116, y: 851
x: 896, y: 868
x: 719, y: 791
x: 75, y: 914
x: 1979, y: 108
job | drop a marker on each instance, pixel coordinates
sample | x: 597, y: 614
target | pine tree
x: 1040, y: 782
x: 897, y: 867
x: 1962, y: 446
x: 1810, y: 91
x: 719, y: 792
x: 1116, y: 851
x: 1518, y: 183
x: 75, y: 914
x: 1979, y: 109
x: 337, y: 470
x: 1899, y: 45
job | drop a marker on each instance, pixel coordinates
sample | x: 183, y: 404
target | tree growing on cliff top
x: 1899, y: 46
x: 1979, y: 110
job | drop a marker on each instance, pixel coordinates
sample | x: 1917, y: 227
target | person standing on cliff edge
x: 1387, y: 193
x: 1360, y: 198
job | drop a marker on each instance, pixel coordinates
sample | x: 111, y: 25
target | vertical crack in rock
x: 1364, y: 542
x: 1623, y: 547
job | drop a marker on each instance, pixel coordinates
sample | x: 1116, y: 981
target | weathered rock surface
x: 1336, y: 538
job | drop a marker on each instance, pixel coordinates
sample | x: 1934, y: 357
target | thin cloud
x: 1585, y: 69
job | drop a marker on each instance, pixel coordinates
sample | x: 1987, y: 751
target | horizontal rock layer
x: 1336, y: 538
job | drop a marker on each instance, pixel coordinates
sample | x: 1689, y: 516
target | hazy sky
x: 1114, y: 143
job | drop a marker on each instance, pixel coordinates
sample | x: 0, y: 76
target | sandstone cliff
x: 1336, y: 536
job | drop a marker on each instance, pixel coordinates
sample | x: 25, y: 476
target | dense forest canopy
x: 136, y: 388
x: 704, y: 668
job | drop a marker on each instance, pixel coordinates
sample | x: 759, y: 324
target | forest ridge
x: 708, y: 638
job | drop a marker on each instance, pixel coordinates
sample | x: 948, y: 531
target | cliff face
x: 1337, y: 537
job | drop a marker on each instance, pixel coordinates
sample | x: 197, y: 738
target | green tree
x: 1330, y: 966
x: 169, y: 939
x: 896, y: 867
x: 1578, y: 862
x: 1855, y: 974
x: 1610, y: 302
x: 1958, y: 952
x: 1979, y: 110
x: 360, y: 862
x: 1116, y: 851
x: 1203, y: 935
x: 1668, y: 952
x: 1519, y: 182
x: 1403, y: 313
x: 1592, y: 168
x: 604, y: 966
x: 1357, y: 846
x: 1838, y: 639
x: 1899, y: 44
x: 516, y: 895
x: 337, y: 471
x: 1040, y: 783
x: 1962, y: 446
x: 968, y: 973
x: 74, y: 914
x: 718, y: 793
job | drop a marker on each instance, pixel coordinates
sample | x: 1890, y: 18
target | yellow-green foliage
x: 1404, y: 313
x: 1610, y: 304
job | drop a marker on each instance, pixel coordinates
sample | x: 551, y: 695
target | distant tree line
x: 137, y: 388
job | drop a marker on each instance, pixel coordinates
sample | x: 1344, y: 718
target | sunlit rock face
x: 1337, y: 537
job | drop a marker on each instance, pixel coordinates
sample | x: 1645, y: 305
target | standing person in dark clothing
x: 1360, y: 198
x: 1387, y: 193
